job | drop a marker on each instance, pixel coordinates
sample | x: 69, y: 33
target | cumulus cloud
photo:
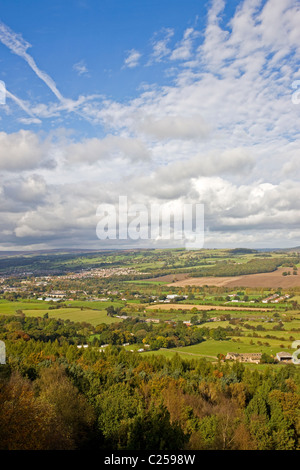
x: 93, y: 150
x: 176, y: 180
x: 222, y: 132
x: 247, y: 207
x: 23, y: 150
x: 67, y: 211
x: 31, y: 189
x: 174, y: 127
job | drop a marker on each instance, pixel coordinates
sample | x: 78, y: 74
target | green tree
x: 218, y: 333
x: 77, y: 415
x: 152, y: 430
x: 110, y: 311
x: 116, y: 407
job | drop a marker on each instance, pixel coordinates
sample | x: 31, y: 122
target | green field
x: 211, y: 348
x: 94, y: 317
x: 10, y: 308
x: 76, y: 314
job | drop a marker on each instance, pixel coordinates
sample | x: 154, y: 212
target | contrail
x: 20, y: 102
x: 19, y: 46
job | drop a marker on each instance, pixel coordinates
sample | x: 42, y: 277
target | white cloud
x: 160, y: 45
x: 132, y: 59
x: 96, y: 150
x: 30, y: 189
x: 174, y: 127
x: 23, y: 150
x: 29, y: 121
x: 247, y: 207
x: 183, y: 49
x: 224, y: 132
x: 81, y: 68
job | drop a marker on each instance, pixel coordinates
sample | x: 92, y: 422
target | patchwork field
x: 39, y: 309
x: 205, y: 307
x: 169, y: 278
x: 272, y: 280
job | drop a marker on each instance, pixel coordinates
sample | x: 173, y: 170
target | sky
x: 166, y: 103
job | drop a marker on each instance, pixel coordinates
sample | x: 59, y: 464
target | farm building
x: 244, y: 357
x: 174, y: 296
x: 284, y: 357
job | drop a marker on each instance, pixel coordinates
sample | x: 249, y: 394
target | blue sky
x: 83, y: 46
x: 165, y: 102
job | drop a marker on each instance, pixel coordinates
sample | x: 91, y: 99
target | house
x: 48, y: 299
x: 231, y: 356
x: 244, y: 357
x: 270, y: 298
x: 284, y: 357
x: 174, y: 296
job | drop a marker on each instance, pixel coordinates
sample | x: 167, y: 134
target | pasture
x: 40, y: 308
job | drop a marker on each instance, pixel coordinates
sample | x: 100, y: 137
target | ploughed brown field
x: 273, y: 280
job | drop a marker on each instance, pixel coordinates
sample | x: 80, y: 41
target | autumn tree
x: 26, y: 421
x: 54, y: 388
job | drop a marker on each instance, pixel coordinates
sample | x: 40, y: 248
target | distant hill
x: 296, y: 249
x: 46, y: 252
x: 68, y: 251
x: 242, y: 251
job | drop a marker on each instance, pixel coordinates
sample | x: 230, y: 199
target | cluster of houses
x: 275, y: 298
x: 244, y: 357
x: 256, y: 357
x: 153, y: 320
x: 169, y: 298
x: 101, y: 272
